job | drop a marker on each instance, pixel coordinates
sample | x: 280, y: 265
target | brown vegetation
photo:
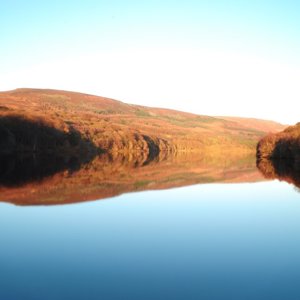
x: 31, y: 183
x: 282, y: 169
x: 26, y: 134
x: 278, y: 155
x: 285, y: 144
x: 50, y: 141
x: 115, y: 127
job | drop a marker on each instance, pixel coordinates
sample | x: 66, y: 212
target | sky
x: 234, y: 58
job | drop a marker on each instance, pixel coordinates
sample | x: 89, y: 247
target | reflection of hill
x: 108, y: 176
x: 286, y: 169
x: 17, y: 170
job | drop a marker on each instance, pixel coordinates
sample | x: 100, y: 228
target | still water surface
x: 206, y: 241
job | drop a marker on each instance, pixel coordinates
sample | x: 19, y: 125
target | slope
x: 116, y: 127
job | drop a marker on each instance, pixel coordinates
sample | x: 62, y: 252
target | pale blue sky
x: 208, y: 57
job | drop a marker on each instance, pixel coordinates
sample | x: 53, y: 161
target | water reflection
x: 43, y: 181
x: 17, y: 170
x: 284, y: 169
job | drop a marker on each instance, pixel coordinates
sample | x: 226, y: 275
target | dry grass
x: 114, y: 126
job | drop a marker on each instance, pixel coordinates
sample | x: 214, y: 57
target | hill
x: 86, y: 122
x: 285, y: 144
x: 278, y: 155
x: 260, y: 125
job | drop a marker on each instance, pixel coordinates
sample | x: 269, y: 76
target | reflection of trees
x: 286, y: 169
x: 58, y: 180
x: 17, y: 170
x: 32, y: 149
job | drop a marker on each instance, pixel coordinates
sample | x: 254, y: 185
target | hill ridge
x: 115, y: 126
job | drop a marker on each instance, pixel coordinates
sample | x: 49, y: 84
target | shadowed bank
x: 32, y: 149
x: 62, y: 147
x: 278, y: 155
x: 22, y: 134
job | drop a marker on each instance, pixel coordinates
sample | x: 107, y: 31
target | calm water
x: 210, y: 241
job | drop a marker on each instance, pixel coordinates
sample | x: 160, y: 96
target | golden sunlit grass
x: 113, y: 126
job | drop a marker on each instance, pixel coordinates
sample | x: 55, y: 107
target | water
x: 206, y: 241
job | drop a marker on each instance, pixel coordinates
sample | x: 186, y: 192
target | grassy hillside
x: 86, y: 122
x: 260, y: 125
